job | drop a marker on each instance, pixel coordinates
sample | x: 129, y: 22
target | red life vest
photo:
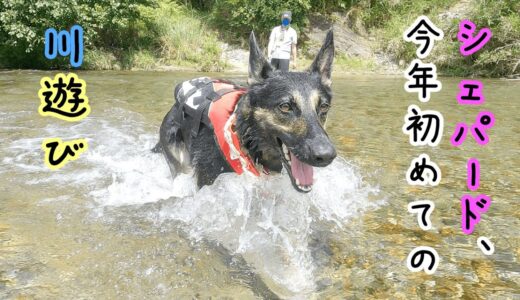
x: 222, y: 117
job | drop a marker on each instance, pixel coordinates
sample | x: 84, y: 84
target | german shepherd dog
x: 279, y: 122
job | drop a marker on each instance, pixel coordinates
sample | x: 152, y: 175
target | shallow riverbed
x: 113, y: 224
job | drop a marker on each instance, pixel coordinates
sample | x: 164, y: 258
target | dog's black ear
x: 323, y: 62
x: 259, y: 68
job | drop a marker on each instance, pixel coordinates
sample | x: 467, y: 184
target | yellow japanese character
x: 64, y: 97
x: 58, y: 152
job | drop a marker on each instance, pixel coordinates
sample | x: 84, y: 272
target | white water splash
x: 268, y: 222
x: 263, y: 219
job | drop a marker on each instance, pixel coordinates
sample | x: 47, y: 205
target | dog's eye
x: 285, y: 107
x: 324, y: 107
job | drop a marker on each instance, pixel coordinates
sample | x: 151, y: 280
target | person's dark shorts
x: 280, y: 64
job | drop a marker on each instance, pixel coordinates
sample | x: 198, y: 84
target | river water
x: 113, y: 224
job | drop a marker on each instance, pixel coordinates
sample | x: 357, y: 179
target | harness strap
x: 222, y: 116
x: 197, y: 117
x: 212, y: 97
x: 201, y: 115
x: 216, y: 111
x: 215, y: 95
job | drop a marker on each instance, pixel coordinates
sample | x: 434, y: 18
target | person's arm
x: 270, y: 45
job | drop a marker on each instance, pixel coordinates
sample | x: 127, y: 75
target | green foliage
x: 236, y: 18
x: 181, y: 38
x: 99, y: 59
x: 118, y: 34
x: 23, y: 23
x: 125, y: 34
x: 388, y: 19
x: 501, y: 56
x: 326, y: 6
x: 141, y: 59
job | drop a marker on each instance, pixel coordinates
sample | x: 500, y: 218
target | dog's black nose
x: 323, y: 154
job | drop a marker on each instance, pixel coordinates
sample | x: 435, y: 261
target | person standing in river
x: 282, y: 44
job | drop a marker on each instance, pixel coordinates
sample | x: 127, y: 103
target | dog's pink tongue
x: 301, y: 171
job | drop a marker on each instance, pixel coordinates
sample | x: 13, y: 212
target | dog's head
x: 281, y: 121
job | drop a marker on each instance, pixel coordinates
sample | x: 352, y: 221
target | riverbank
x: 211, y: 36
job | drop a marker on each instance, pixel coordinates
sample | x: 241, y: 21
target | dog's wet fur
x: 280, y: 111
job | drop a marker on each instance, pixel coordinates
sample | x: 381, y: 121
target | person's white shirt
x: 280, y: 42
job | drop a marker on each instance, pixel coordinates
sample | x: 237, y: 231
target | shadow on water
x: 239, y: 271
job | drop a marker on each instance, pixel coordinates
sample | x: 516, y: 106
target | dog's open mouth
x: 301, y: 174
